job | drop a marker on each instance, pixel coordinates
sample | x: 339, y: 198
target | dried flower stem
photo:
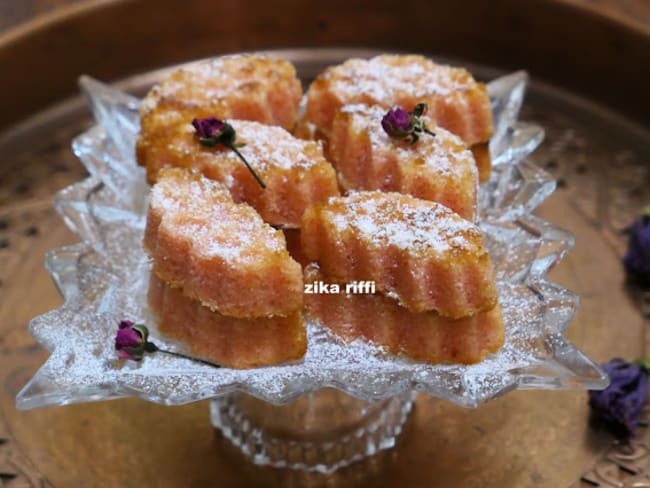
x: 213, y: 131
x: 257, y: 178
x: 151, y: 347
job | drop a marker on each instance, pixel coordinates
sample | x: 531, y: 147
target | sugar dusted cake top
x: 401, y: 221
x: 384, y: 76
x: 294, y: 171
x: 265, y: 147
x: 416, y: 251
x: 201, y: 211
x: 217, y: 251
x: 456, y: 101
x: 441, y: 153
x: 244, y: 86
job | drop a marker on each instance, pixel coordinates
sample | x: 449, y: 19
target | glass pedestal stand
x: 320, y: 431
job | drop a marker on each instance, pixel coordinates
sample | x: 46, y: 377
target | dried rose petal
x: 125, y: 324
x: 131, y: 340
x: 619, y: 405
x: 208, y: 127
x: 637, y: 258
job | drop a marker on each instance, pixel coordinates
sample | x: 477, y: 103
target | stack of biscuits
x: 343, y: 202
x: 436, y: 299
x: 223, y: 281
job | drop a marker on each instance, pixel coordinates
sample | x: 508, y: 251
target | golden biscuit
x: 421, y: 336
x: 217, y: 251
x: 438, y: 168
x: 418, y: 252
x: 455, y: 100
x: 243, y: 86
x: 227, y: 341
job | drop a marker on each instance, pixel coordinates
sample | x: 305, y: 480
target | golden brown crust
x: 219, y: 252
x: 227, y: 341
x: 440, y: 168
x: 483, y: 160
x: 425, y: 336
x: 245, y: 86
x: 419, y: 252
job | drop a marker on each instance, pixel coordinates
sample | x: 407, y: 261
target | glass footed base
x: 319, y: 432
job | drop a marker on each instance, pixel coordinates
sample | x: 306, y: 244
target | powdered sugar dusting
x: 82, y: 362
x: 383, y: 77
x: 104, y: 281
x: 396, y: 220
x: 267, y: 148
x: 201, y: 212
x: 446, y: 155
x: 218, y: 78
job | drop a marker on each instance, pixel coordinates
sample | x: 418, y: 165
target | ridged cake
x: 419, y: 252
x: 243, y: 86
x: 217, y: 251
x: 439, y: 168
x: 421, y: 336
x: 455, y: 100
x: 227, y: 341
x: 295, y: 172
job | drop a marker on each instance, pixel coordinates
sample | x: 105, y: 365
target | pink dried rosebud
x: 208, y: 127
x: 131, y: 340
x: 400, y: 124
x: 212, y: 131
x: 396, y: 122
x: 125, y: 324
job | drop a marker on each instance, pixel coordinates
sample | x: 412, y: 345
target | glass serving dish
x: 358, y: 392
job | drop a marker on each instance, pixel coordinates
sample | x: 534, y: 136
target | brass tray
x: 526, y: 438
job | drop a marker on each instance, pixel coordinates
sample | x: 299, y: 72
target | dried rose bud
x: 131, y: 340
x: 208, y: 127
x: 637, y: 258
x: 212, y: 131
x: 619, y: 405
x: 400, y: 124
x: 396, y: 122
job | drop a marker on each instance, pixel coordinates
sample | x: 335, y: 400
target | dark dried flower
x: 637, y: 258
x: 619, y: 405
x: 400, y: 124
x: 208, y: 127
x: 396, y: 122
x: 132, y: 341
x: 212, y: 131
